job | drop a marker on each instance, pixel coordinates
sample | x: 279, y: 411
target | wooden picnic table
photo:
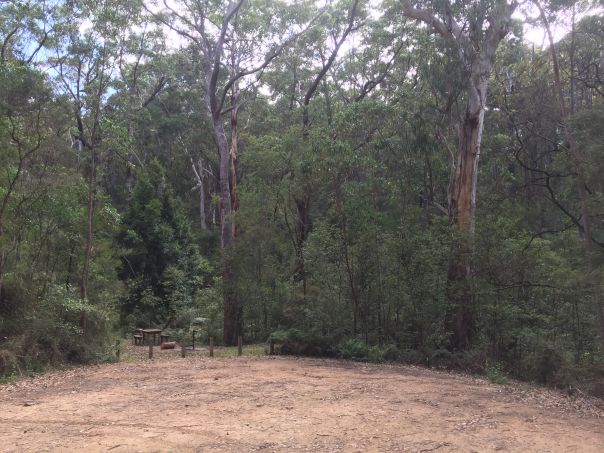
x: 146, y: 333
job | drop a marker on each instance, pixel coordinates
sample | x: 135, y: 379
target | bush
x: 296, y: 342
x: 353, y: 349
x: 8, y: 362
x: 413, y: 356
x: 441, y: 358
x: 62, y: 328
x: 496, y: 375
x: 391, y: 353
x: 375, y: 354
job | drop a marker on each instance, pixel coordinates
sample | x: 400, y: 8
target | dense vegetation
x: 375, y: 180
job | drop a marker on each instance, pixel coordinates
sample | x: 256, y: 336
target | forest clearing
x: 287, y: 404
x: 377, y: 190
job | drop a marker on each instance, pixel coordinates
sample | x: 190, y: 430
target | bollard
x: 182, y: 350
x: 272, y: 347
x: 150, y: 350
x: 211, y: 346
x: 239, y: 345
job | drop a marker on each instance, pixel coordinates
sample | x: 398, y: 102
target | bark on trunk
x: 233, y: 155
x: 2, y: 261
x: 199, y: 172
x: 226, y: 235
x: 89, y: 230
x: 231, y: 309
x: 460, y: 321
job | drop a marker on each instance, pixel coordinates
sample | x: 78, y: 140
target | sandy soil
x: 287, y: 404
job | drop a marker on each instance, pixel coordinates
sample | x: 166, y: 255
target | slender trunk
x: 302, y: 230
x: 198, y: 171
x: 226, y: 234
x: 233, y: 155
x: 129, y: 158
x: 343, y: 224
x: 202, y: 199
x: 2, y: 261
x: 90, y: 223
x: 69, y: 267
x: 231, y: 309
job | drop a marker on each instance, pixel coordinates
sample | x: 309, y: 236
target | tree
x: 475, y: 43
x: 161, y: 266
x: 209, y: 38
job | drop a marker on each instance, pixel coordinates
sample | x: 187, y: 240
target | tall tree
x: 474, y: 31
x: 197, y: 22
x: 578, y: 160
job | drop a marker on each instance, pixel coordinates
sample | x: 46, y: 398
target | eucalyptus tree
x: 85, y: 64
x: 569, y: 105
x: 308, y: 68
x: 141, y: 80
x: 226, y: 61
x: 473, y: 30
x: 27, y: 27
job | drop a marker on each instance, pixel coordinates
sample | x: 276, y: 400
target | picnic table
x: 147, y: 333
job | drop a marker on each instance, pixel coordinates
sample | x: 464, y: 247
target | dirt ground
x: 287, y: 404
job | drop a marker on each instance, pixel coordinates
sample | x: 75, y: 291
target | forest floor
x: 256, y: 403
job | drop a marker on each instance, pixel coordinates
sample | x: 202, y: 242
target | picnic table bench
x: 143, y: 336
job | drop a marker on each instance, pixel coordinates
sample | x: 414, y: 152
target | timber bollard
x: 239, y: 345
x: 182, y: 350
x: 211, y: 346
x: 271, y: 350
x: 150, y: 349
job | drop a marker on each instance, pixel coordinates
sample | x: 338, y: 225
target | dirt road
x: 287, y: 404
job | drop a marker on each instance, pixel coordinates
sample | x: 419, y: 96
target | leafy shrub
x: 496, y: 375
x: 8, y: 362
x: 391, y: 353
x: 441, y: 358
x: 375, y: 354
x: 353, y: 348
x: 413, y: 356
x: 296, y: 342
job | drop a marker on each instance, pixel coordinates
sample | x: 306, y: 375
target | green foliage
x: 496, y: 375
x: 162, y: 267
x: 354, y: 348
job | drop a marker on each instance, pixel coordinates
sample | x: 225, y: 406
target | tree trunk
x: 90, y: 224
x: 459, y: 319
x: 231, y: 309
x: 233, y: 155
x: 202, y: 201
x: 198, y: 171
x: 2, y: 261
x: 226, y: 235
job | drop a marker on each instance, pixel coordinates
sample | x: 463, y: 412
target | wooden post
x: 211, y: 346
x: 150, y: 349
x: 271, y: 347
x: 117, y: 349
x: 239, y: 345
x: 182, y: 350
